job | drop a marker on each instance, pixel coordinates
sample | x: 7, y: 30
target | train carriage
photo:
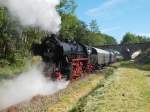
x: 101, y: 57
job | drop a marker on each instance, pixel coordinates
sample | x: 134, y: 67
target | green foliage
x: 74, y: 29
x: 144, y: 58
x: 109, y: 39
x: 132, y: 38
x: 4, y: 62
x: 15, y: 44
x: 30, y: 35
x: 8, y: 70
x: 69, y: 26
x: 14, y: 38
x: 129, y: 64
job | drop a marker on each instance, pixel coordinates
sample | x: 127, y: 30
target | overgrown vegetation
x: 130, y: 64
x: 144, y: 58
x: 8, y: 70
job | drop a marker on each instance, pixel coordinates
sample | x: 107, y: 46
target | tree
x: 94, y: 26
x: 29, y: 36
x: 67, y: 6
x: 129, y: 38
x: 109, y: 39
x: 15, y: 38
x: 74, y: 29
x: 132, y: 38
x: 69, y: 26
x: 6, y: 33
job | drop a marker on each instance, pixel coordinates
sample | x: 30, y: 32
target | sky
x: 116, y: 17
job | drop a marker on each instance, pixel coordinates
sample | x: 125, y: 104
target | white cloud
x: 102, y: 8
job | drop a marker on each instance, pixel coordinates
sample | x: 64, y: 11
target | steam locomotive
x: 70, y: 60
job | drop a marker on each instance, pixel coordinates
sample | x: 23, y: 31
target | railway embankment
x: 65, y: 99
x: 124, y: 86
x: 127, y: 90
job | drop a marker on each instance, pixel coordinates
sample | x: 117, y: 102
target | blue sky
x: 116, y: 17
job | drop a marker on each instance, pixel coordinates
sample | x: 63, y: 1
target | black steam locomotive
x: 69, y: 60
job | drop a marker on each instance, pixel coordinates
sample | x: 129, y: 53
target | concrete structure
x: 127, y: 49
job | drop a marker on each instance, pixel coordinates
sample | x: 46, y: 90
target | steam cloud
x: 26, y: 86
x: 35, y: 13
x: 31, y: 13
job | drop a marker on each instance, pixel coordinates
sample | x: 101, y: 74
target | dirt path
x: 127, y: 90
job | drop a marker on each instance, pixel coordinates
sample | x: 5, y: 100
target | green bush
x: 8, y: 70
x: 4, y: 62
x: 144, y: 58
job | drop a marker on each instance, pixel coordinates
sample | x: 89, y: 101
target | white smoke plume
x: 35, y: 13
x: 26, y: 86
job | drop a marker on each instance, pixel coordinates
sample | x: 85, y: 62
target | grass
x: 79, y: 90
x: 127, y: 90
x: 64, y: 100
x: 131, y: 64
